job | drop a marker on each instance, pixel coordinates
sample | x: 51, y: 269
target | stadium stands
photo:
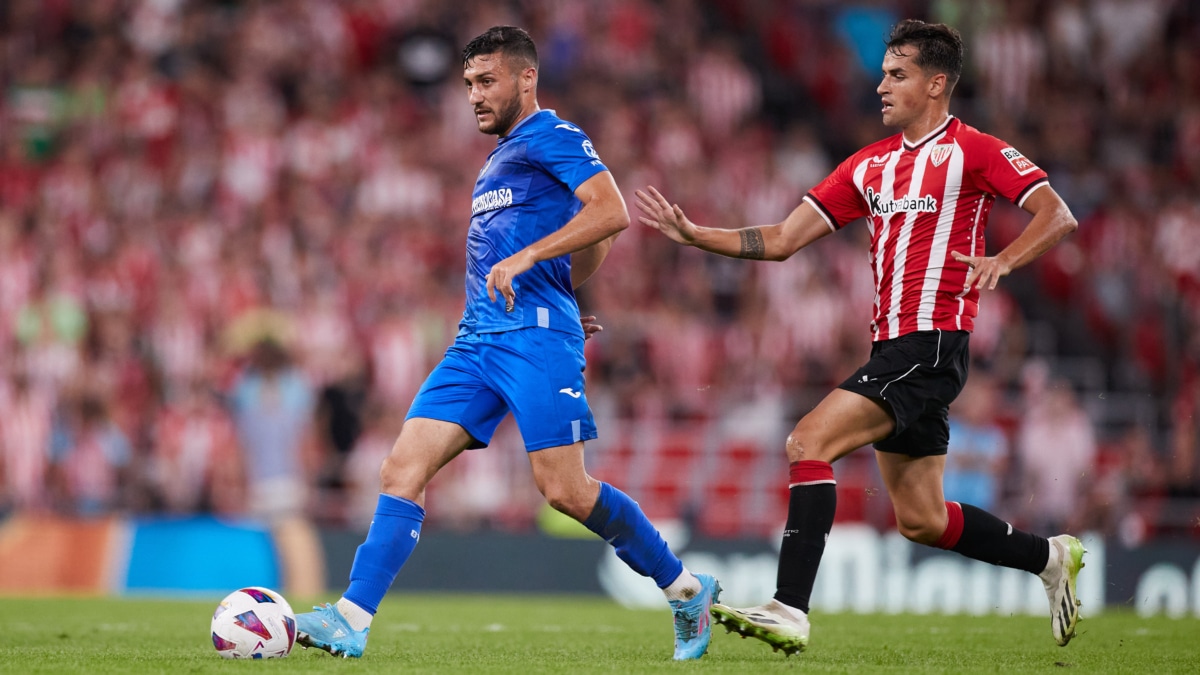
x: 181, y: 182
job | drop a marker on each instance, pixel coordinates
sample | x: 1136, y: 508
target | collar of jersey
x: 512, y: 132
x: 913, y: 146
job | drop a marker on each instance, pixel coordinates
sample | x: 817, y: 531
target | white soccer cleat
x: 773, y: 623
x: 1066, y: 559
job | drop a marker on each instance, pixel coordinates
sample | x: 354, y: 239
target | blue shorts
x: 536, y: 373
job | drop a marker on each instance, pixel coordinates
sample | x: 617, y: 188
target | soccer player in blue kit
x: 544, y: 214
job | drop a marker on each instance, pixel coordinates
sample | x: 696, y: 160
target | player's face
x: 493, y: 90
x: 904, y: 88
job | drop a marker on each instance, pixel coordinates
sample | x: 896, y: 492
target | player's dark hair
x: 511, y: 41
x: 939, y: 47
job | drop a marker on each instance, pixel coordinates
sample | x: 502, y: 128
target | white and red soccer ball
x: 253, y: 623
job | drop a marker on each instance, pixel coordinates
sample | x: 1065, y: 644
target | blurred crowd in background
x: 232, y: 246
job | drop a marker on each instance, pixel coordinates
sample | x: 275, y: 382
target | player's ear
x: 937, y: 85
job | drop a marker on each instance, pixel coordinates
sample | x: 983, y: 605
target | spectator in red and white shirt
x: 90, y: 457
x: 196, y: 463
x: 25, y: 420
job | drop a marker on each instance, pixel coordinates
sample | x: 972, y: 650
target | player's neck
x: 526, y: 111
x: 922, y: 127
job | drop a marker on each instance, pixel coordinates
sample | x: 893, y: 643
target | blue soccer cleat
x: 692, y: 626
x: 326, y: 628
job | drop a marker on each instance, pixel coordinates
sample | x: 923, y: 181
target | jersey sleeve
x: 1004, y: 171
x: 837, y: 198
x: 566, y: 153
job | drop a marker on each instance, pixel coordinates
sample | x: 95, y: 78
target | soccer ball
x: 253, y: 623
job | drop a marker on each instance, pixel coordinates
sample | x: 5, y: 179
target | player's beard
x: 504, y: 118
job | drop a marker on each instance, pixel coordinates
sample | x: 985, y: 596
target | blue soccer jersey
x: 524, y: 192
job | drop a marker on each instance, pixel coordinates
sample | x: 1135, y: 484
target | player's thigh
x: 915, y: 487
x: 562, y: 463
x: 423, y: 447
x: 842, y: 422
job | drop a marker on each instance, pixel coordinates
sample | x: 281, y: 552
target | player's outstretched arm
x: 594, y: 227
x: 1052, y: 220
x: 802, y: 227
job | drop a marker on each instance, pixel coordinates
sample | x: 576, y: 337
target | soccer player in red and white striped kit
x: 925, y: 194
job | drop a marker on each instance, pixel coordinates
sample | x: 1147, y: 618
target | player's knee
x: 567, y: 501
x: 795, y: 447
x: 920, y: 530
x: 401, y: 478
x: 804, y: 444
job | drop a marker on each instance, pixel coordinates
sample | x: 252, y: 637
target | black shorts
x: 917, y: 376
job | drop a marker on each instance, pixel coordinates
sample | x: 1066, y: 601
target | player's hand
x: 664, y: 216
x: 985, y: 271
x: 501, y: 276
x: 590, y: 327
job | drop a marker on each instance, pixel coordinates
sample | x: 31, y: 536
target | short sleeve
x: 837, y: 198
x: 566, y: 153
x: 1003, y: 170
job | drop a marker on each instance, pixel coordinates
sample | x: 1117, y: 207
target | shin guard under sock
x: 620, y: 521
x: 811, y: 508
x: 979, y: 535
x: 394, y: 533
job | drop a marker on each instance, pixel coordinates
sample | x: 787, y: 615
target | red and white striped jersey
x: 922, y: 201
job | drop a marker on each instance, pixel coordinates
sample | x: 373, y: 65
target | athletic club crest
x: 940, y: 153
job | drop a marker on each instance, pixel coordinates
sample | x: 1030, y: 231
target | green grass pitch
x: 508, y: 634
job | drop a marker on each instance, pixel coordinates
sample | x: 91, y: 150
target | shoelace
x: 330, y: 619
x: 686, y: 626
x: 325, y: 610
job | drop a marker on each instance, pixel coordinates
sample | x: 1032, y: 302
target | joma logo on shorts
x: 492, y: 200
x: 926, y: 204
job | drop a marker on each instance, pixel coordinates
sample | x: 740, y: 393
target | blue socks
x: 396, y: 529
x: 620, y: 521
x: 394, y: 533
